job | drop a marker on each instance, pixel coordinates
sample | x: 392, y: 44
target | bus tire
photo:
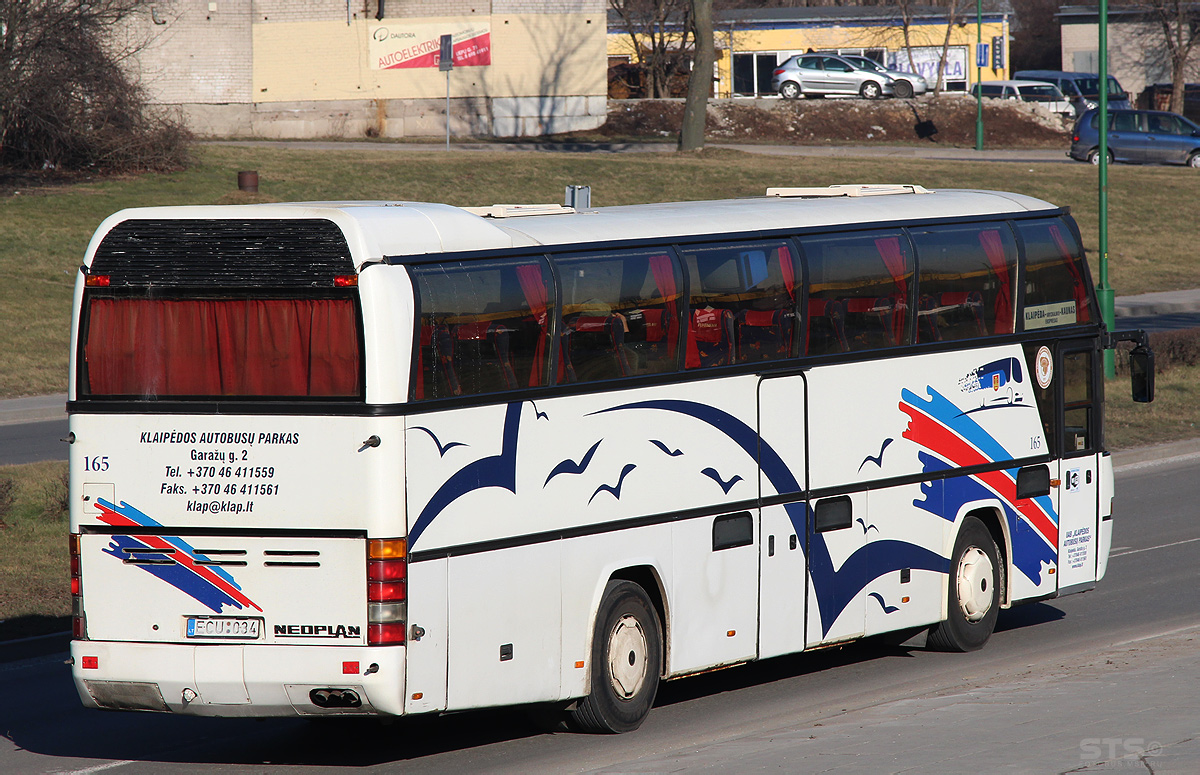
x: 974, y: 594
x: 626, y: 662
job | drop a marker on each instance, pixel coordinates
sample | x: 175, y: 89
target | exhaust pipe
x: 335, y: 698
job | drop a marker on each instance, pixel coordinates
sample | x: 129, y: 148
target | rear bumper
x: 236, y: 680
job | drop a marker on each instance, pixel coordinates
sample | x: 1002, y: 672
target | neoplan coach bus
x: 399, y: 458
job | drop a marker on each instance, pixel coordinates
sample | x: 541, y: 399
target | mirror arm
x: 1110, y: 338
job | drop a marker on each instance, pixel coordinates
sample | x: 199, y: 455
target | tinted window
x: 1166, y: 124
x: 743, y: 301
x: 812, y: 63
x: 620, y: 314
x: 221, y: 348
x: 1123, y: 122
x: 483, y: 326
x: 1057, y: 289
x: 967, y: 281
x: 859, y: 289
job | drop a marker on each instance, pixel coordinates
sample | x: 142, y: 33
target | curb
x: 36, y: 646
x: 1161, y: 303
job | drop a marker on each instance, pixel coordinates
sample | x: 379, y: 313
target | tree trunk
x: 695, y: 111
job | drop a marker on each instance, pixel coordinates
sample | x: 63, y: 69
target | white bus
x: 398, y: 458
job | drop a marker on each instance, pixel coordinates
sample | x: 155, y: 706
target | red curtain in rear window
x: 221, y: 347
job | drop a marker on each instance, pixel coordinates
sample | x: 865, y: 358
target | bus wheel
x: 626, y: 662
x: 974, y: 595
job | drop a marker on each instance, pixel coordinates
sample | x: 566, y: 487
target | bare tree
x: 952, y: 13
x: 659, y: 32
x: 695, y: 111
x: 66, y: 101
x: 1179, y: 24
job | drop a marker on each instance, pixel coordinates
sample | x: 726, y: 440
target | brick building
x: 354, y: 68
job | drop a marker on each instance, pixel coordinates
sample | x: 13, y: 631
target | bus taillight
x: 387, y: 593
x: 78, y: 628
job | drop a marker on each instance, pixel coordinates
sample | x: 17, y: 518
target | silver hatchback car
x: 815, y: 75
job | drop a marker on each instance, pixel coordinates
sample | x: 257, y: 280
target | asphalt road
x: 32, y: 442
x: 704, y: 723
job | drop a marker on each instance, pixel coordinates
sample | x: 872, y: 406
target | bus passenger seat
x: 763, y: 335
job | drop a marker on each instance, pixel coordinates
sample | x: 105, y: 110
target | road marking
x: 99, y: 768
x: 1151, y: 548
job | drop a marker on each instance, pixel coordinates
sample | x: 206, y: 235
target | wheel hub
x: 976, y: 593
x: 627, y: 651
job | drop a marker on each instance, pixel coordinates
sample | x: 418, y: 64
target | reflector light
x: 387, y: 548
x: 385, y: 591
x: 75, y: 565
x: 74, y: 585
x: 385, y: 570
x: 418, y: 695
x: 77, y: 628
x: 97, y: 281
x: 345, y: 280
x: 385, y: 634
x: 91, y: 663
x: 349, y: 668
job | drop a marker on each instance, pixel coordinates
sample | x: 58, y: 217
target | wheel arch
x: 991, y: 514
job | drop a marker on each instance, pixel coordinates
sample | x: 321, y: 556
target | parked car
x: 816, y: 75
x: 904, y: 84
x: 1045, y: 94
x: 1082, y: 89
x: 1138, y: 136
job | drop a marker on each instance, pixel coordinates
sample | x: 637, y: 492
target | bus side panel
x: 504, y: 627
x: 925, y: 414
x: 587, y: 563
x: 525, y: 472
x: 909, y: 595
x: 425, y: 668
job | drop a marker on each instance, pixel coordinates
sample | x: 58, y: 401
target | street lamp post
x: 1103, y: 290
x: 978, y: 76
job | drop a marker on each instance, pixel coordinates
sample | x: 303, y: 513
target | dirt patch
x: 947, y: 120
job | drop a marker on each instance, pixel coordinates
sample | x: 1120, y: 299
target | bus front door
x: 783, y: 580
x: 1079, y: 474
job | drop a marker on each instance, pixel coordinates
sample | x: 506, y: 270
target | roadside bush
x: 66, y: 103
x: 8, y: 496
x: 1172, y: 349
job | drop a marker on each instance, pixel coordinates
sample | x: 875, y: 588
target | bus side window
x: 743, y: 303
x: 967, y: 281
x: 484, y: 327
x: 1057, y: 287
x: 620, y: 315
x: 860, y: 290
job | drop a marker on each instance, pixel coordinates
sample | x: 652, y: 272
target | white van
x: 1046, y: 94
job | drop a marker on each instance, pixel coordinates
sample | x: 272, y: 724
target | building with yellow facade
x: 751, y: 42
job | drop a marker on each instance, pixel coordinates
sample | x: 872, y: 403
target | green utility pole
x: 1104, y: 291
x: 978, y: 76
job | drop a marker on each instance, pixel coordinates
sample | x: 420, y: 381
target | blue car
x: 1138, y: 137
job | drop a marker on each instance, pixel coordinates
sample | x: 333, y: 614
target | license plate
x: 224, y: 627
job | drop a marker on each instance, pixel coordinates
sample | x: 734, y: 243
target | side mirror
x: 1141, y: 374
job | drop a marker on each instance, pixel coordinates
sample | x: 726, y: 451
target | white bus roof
x: 377, y: 229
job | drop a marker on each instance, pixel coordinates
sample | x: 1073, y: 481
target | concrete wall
x: 302, y: 68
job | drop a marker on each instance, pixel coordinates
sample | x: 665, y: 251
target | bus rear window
x: 221, y: 348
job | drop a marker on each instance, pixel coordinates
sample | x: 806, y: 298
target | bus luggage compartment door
x: 783, y: 586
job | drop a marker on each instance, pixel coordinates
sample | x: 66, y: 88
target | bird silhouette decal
x: 442, y: 449
x: 865, y: 526
x: 887, y: 609
x: 726, y: 486
x: 538, y: 415
x: 665, y: 448
x: 615, y: 489
x: 571, y: 467
x: 878, y: 459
